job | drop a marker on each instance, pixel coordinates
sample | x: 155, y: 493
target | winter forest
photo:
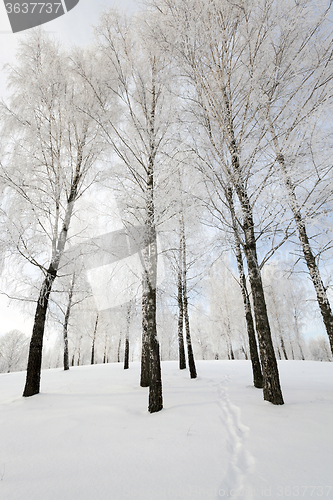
x: 166, y: 191
x: 166, y: 226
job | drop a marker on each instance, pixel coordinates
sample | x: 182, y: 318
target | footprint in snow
x: 240, y: 461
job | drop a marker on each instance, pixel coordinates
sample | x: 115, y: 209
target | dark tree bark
x: 155, y: 383
x: 244, y: 352
x: 66, y: 354
x: 128, y: 322
x: 152, y: 363
x: 181, y: 348
x: 190, y: 355
x: 32, y: 385
x: 92, y: 361
x: 118, y: 350
x: 105, y: 348
x: 145, y: 349
x: 271, y: 386
x: 255, y: 361
x: 65, y: 329
x: 283, y: 347
x: 126, y: 357
x: 232, y: 356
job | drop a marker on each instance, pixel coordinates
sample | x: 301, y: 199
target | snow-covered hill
x: 88, y: 435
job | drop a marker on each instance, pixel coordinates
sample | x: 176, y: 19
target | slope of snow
x: 88, y: 435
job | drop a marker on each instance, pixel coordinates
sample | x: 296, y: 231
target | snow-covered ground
x: 88, y: 435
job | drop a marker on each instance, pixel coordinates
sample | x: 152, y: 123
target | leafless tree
x: 48, y: 165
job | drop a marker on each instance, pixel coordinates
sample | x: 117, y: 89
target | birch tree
x: 210, y: 40
x: 256, y: 367
x: 129, y: 313
x: 138, y: 141
x: 295, y: 89
x: 66, y: 322
x: 183, y: 283
x: 183, y: 212
x: 49, y: 162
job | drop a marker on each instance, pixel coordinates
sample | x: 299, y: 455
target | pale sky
x: 75, y: 27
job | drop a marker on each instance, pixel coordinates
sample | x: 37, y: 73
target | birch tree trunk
x: 128, y: 322
x: 271, y: 382
x: 92, y: 361
x: 126, y: 356
x: 145, y: 348
x: 119, y: 346
x: 255, y: 361
x: 32, y: 385
x: 190, y: 355
x: 65, y: 329
x: 105, y: 349
x: 181, y: 348
x: 322, y: 299
x: 150, y: 344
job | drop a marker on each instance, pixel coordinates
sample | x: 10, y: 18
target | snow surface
x: 88, y: 435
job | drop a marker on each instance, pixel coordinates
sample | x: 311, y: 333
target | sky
x: 73, y: 28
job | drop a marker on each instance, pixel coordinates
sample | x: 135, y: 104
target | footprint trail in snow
x: 236, y: 482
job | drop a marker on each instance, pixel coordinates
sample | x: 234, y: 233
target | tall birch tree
x: 139, y: 140
x: 210, y: 40
x: 52, y: 149
x: 295, y: 89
